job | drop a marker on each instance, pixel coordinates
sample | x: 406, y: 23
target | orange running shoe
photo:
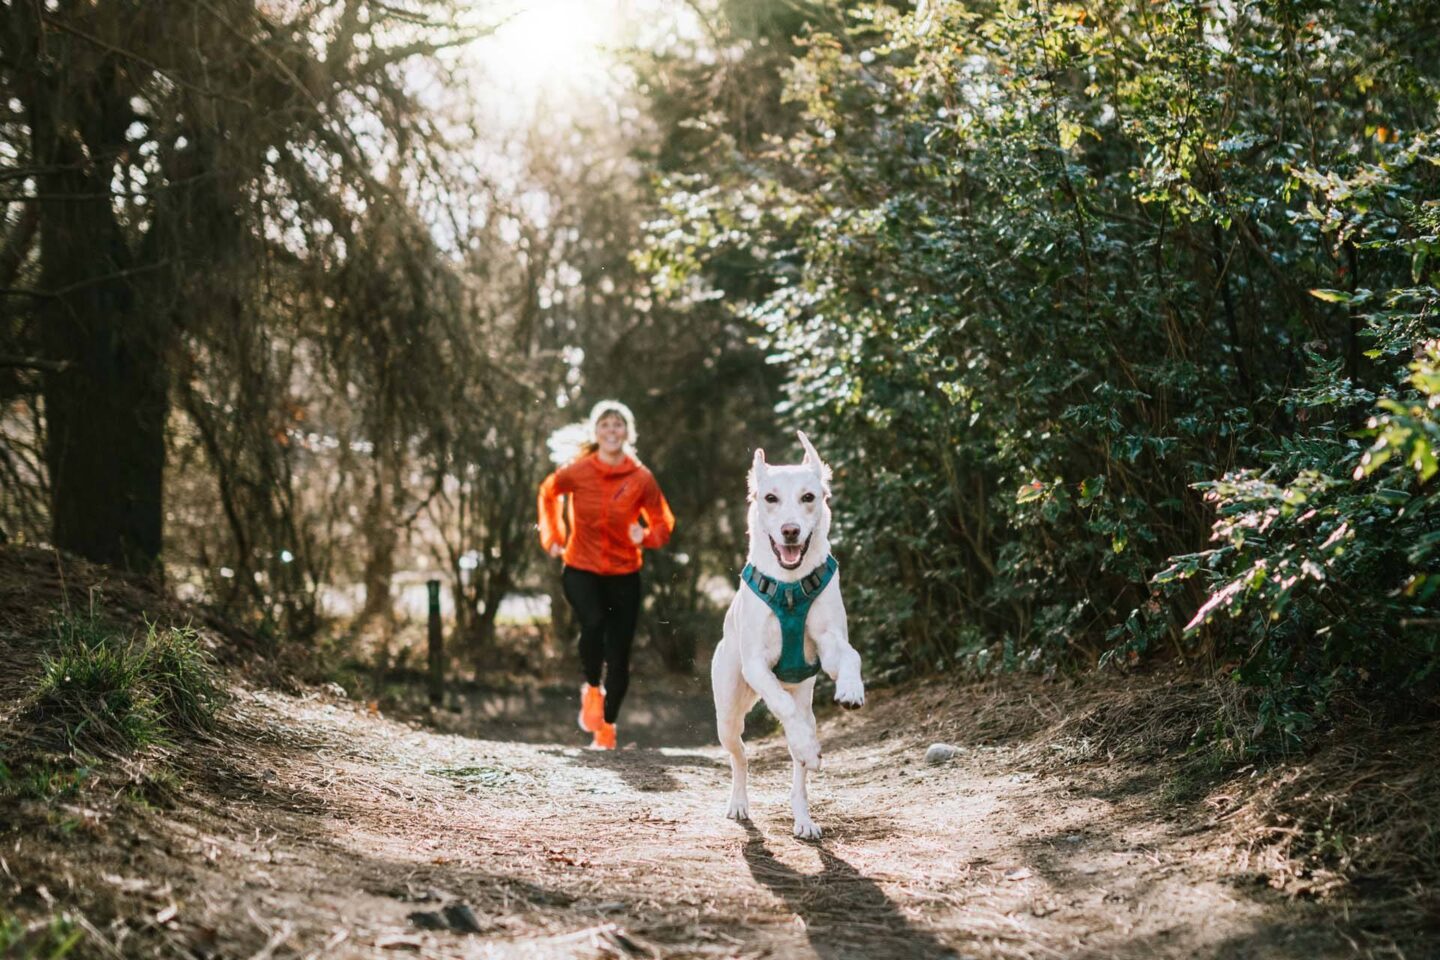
x: 605, y: 737
x: 592, y: 708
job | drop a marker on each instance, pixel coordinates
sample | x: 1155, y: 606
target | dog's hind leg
x: 733, y: 699
x: 805, y: 828
x: 730, y: 727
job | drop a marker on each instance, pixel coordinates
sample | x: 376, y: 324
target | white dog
x: 789, y: 570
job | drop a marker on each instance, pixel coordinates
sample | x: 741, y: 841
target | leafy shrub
x: 1335, y: 569
x: 1328, y: 568
x: 1040, y: 273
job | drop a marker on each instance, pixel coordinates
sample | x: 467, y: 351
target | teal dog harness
x: 790, y: 602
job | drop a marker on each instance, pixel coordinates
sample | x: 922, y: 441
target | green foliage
x: 50, y: 940
x: 1040, y: 273
x: 44, y: 781
x: 101, y: 690
x: 1338, y: 568
x: 1328, y: 568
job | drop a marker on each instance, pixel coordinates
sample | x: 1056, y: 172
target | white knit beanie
x: 606, y: 407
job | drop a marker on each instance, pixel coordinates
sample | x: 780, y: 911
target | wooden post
x: 437, y: 646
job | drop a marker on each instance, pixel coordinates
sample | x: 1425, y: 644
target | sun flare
x: 552, y: 45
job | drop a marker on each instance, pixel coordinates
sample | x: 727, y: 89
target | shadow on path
x: 646, y: 771
x: 665, y: 711
x: 847, y: 916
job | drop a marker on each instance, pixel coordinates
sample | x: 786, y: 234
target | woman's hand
x: 556, y: 550
x: 637, y: 533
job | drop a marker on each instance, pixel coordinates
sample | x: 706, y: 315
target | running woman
x: 611, y: 492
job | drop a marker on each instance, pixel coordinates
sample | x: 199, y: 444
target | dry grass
x: 1144, y: 718
x: 1357, y: 815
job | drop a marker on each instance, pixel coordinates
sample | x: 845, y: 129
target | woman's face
x: 611, y: 433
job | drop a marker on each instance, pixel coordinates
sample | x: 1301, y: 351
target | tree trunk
x: 673, y: 615
x: 381, y: 538
x: 563, y: 628
x: 106, y: 410
x: 482, y: 640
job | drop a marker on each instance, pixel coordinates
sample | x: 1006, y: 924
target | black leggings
x: 607, y: 608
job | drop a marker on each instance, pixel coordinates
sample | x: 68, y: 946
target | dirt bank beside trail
x: 312, y: 828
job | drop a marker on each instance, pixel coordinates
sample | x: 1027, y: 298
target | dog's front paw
x: 805, y: 829
x: 739, y: 808
x: 850, y: 693
x: 806, y: 751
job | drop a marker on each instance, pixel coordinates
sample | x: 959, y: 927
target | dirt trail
x: 325, y: 829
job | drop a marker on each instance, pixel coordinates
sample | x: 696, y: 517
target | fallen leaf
x: 560, y: 855
x: 399, y: 941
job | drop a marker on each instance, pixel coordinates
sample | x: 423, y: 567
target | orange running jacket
x: 604, y: 501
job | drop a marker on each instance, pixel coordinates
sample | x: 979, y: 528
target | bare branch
x: 33, y: 363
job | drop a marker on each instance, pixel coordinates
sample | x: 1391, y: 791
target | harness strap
x: 790, y: 602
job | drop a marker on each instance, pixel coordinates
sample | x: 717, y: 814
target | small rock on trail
x: 456, y: 916
x: 941, y: 753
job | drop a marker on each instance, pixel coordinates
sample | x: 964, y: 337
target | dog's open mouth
x: 790, y: 554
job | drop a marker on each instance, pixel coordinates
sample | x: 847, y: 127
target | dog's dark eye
x: 771, y: 498
x: 808, y: 498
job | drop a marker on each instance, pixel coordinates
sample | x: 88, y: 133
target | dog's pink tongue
x: 791, y: 554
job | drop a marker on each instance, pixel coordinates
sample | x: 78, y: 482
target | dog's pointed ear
x: 757, y: 470
x: 813, y: 460
x: 811, y: 457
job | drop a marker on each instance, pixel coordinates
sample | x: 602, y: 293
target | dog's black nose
x: 791, y: 532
